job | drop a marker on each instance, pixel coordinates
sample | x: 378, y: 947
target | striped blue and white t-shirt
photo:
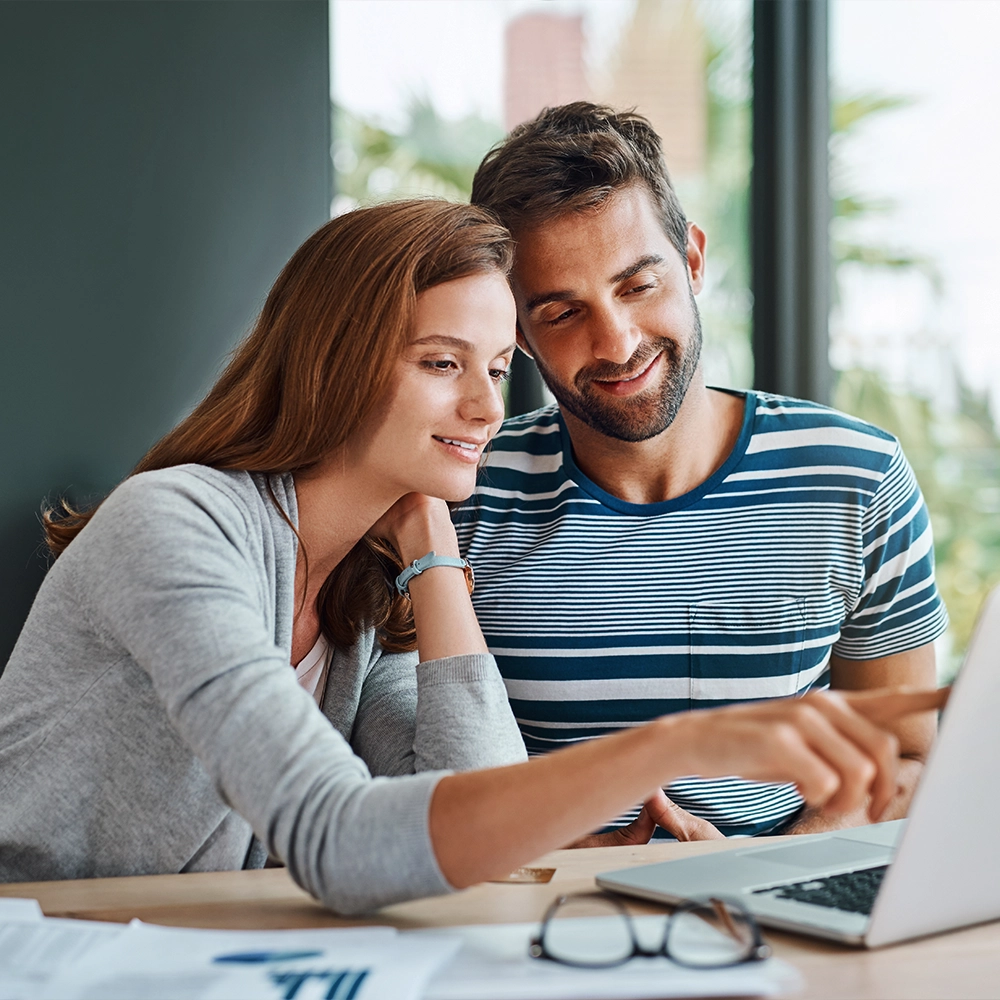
x: 812, y: 538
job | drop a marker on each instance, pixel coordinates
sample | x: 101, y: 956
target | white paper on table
x: 34, y: 950
x: 494, y: 965
x: 18, y: 911
x: 168, y: 963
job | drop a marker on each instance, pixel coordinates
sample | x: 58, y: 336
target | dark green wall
x: 159, y: 161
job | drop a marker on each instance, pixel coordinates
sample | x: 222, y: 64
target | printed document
x: 168, y: 963
x: 33, y: 949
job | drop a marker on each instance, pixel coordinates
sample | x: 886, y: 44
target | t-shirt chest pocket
x: 746, y: 649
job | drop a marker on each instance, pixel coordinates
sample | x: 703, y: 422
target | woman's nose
x: 483, y: 401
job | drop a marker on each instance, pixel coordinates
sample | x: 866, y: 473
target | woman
x: 150, y: 716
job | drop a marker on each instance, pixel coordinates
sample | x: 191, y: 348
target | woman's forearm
x: 485, y: 823
x: 442, y: 612
x: 834, y: 748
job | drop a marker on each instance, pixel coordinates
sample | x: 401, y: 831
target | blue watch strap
x: 428, y: 561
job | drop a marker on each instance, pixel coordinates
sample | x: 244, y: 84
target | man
x: 652, y: 545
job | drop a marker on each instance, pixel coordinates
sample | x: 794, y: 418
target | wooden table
x: 963, y: 964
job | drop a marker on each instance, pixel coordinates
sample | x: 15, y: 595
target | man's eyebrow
x: 545, y: 298
x: 643, y: 262
x: 640, y: 265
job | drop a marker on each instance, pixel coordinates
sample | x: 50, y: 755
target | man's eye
x: 638, y: 288
x: 562, y: 317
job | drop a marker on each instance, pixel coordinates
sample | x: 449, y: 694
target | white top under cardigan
x: 149, y: 718
x: 310, y: 672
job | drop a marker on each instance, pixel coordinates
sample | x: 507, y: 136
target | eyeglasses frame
x: 758, y: 951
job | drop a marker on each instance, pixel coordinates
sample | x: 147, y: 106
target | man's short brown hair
x: 570, y: 158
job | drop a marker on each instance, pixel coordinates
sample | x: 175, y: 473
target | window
x: 913, y: 327
x: 423, y: 88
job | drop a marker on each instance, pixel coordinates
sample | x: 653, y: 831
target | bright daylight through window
x: 914, y: 323
x: 422, y: 88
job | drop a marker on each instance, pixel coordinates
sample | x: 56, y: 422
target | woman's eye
x: 499, y: 374
x: 440, y: 364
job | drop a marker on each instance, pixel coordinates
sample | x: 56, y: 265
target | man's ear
x: 696, y: 243
x: 522, y: 343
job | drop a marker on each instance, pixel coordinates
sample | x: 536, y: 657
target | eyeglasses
x: 593, y: 930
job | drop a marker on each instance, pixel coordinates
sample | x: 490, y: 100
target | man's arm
x: 914, y: 668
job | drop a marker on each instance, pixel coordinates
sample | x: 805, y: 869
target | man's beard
x: 648, y: 413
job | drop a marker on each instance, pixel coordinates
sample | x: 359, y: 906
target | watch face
x: 470, y: 577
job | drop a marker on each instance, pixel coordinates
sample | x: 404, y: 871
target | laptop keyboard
x: 854, y: 892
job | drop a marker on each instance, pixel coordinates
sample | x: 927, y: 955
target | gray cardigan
x: 149, y: 717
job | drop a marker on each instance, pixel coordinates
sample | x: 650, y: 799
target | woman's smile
x: 462, y: 449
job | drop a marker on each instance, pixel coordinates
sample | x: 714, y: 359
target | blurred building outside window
x: 421, y: 89
x: 916, y: 246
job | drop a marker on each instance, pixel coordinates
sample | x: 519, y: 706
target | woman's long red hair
x: 314, y: 369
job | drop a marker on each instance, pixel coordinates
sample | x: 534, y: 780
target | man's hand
x: 658, y: 810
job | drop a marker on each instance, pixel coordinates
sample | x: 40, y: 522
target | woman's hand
x: 415, y: 525
x: 828, y: 743
x: 442, y: 612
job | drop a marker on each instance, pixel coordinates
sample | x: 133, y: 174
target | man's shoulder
x: 522, y: 471
x: 787, y: 422
x: 527, y: 450
x: 537, y: 432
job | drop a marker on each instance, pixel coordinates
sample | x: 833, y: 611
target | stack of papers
x: 47, y: 959
x: 168, y: 963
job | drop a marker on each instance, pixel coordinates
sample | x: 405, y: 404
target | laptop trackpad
x: 831, y: 852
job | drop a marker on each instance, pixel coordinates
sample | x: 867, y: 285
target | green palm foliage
x: 954, y: 448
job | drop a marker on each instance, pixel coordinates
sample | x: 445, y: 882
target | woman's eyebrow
x: 445, y: 341
x: 457, y: 342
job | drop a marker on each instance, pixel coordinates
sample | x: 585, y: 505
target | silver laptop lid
x: 946, y: 873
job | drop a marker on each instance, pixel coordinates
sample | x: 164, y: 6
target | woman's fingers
x: 790, y: 756
x: 871, y: 766
x: 834, y: 745
x: 886, y: 706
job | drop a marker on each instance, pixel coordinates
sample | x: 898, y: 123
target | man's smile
x: 634, y: 383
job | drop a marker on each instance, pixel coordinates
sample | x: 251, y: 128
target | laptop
x: 887, y: 882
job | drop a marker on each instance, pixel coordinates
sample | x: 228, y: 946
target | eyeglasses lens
x: 588, y: 931
x: 710, y: 934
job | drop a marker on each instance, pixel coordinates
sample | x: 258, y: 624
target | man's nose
x: 613, y: 336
